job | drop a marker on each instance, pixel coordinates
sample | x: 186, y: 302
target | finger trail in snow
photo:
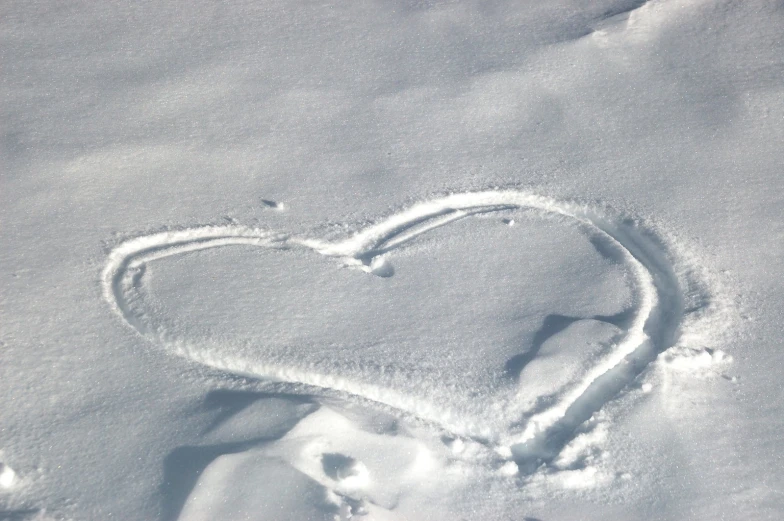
x: 655, y: 324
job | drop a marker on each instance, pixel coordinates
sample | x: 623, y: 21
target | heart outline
x: 653, y: 328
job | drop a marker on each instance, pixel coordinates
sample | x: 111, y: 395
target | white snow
x: 391, y: 260
x: 7, y: 476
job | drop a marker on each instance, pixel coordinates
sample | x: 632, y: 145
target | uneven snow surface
x: 392, y: 260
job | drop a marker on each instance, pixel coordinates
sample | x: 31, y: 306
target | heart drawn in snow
x: 501, y: 333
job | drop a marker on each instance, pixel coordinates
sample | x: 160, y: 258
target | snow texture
x: 391, y: 260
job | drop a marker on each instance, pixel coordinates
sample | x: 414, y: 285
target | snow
x: 7, y: 476
x: 392, y: 260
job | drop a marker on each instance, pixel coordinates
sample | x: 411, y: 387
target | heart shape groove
x: 651, y: 326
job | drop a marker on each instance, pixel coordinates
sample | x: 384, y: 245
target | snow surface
x: 392, y: 260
